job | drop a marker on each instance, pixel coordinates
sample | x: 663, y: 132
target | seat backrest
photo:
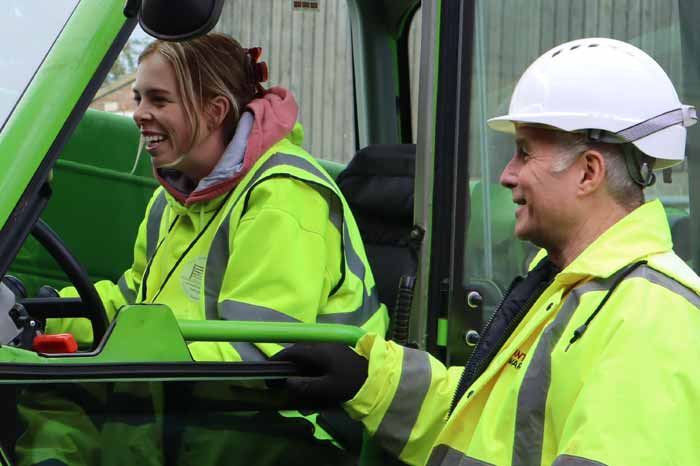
x: 378, y: 184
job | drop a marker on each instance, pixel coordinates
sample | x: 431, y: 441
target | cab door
x: 481, y: 49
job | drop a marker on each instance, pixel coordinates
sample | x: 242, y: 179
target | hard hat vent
x: 590, y: 45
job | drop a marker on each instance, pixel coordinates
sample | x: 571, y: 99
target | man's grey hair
x: 620, y: 184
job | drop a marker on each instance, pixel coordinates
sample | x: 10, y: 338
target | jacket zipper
x: 474, y: 367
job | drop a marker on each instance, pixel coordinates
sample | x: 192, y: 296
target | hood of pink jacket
x: 273, y: 118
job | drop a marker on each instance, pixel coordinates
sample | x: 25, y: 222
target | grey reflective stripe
x: 335, y: 208
x: 336, y: 212
x: 217, y: 260
x: 532, y: 398
x: 219, y: 252
x: 153, y: 224
x: 128, y: 293
x: 657, y: 123
x: 682, y: 116
x: 568, y: 460
x: 658, y: 278
x: 442, y: 455
x: 370, y: 300
x: 396, y: 426
x: 248, y: 352
x: 236, y: 310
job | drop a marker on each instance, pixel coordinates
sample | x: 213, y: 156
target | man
x: 592, y: 357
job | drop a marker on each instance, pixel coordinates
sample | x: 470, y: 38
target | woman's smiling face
x: 160, y: 113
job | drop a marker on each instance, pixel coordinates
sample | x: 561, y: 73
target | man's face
x: 546, y: 198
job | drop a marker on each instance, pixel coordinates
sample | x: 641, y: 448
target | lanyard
x: 182, y: 256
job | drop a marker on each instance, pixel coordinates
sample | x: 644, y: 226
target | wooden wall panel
x: 309, y: 53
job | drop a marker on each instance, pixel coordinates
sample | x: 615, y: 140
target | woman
x: 246, y: 225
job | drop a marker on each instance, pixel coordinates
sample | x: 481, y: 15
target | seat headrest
x: 379, y: 181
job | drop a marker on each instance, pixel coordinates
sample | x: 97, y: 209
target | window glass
x: 178, y: 423
x: 414, y: 39
x: 115, y: 95
x: 307, y: 50
x: 28, y: 28
x: 509, y: 35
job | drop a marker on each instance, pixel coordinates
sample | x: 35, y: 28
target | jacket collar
x: 641, y: 233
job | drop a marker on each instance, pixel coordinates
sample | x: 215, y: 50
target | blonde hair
x: 206, y: 67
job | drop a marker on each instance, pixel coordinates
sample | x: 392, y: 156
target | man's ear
x: 592, y: 171
x: 217, y: 109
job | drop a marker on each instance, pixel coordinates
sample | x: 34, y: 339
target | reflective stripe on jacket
x: 283, y: 247
x: 624, y: 393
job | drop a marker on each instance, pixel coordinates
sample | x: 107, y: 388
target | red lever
x: 53, y: 344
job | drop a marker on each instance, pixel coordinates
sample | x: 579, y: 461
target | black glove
x: 15, y: 285
x: 332, y: 372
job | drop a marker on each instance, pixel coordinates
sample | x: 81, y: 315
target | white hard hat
x: 611, y: 88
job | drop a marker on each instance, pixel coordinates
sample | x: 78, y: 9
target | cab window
x: 508, y: 37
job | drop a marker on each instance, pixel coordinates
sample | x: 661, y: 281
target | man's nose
x: 509, y: 176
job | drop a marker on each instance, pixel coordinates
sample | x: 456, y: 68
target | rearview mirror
x: 177, y: 20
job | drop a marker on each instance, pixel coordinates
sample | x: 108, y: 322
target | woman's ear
x: 217, y: 109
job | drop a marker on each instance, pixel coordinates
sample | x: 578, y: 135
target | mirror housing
x: 178, y: 20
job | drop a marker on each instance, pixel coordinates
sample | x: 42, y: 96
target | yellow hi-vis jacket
x: 283, y: 246
x: 625, y: 393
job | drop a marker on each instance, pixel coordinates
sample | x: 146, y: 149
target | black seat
x: 378, y: 184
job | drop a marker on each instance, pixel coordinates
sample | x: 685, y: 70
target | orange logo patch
x: 517, y: 359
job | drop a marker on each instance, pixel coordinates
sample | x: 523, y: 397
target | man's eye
x: 523, y: 154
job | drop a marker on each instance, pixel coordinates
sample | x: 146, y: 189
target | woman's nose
x: 141, y: 113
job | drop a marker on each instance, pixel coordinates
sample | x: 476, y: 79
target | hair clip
x: 255, y: 53
x: 261, y: 73
x: 258, y: 70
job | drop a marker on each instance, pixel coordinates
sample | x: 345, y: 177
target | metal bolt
x: 471, y: 337
x: 416, y: 233
x: 474, y: 299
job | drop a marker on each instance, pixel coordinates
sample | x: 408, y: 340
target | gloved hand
x: 15, y: 285
x: 332, y: 372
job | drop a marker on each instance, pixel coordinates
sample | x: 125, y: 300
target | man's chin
x: 525, y: 235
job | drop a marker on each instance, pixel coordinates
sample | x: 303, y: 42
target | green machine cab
x: 422, y: 75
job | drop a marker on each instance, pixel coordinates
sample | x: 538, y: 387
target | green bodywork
x: 53, y: 93
x: 96, y: 207
x: 97, y: 204
x: 136, y: 328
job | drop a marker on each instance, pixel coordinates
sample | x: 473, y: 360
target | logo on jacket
x: 517, y: 359
x: 192, y: 276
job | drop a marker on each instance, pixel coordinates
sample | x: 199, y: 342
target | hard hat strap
x: 639, y: 170
x: 684, y: 115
